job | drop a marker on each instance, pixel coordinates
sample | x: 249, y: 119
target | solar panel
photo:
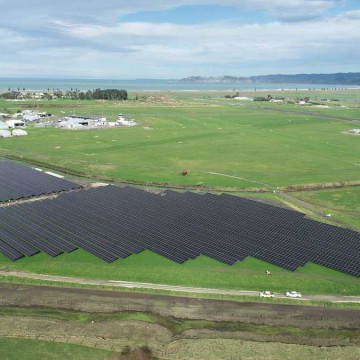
x: 112, y: 223
x: 18, y: 181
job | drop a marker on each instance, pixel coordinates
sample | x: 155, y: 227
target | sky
x: 157, y: 39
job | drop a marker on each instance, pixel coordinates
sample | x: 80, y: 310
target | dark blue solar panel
x: 112, y: 223
x: 18, y: 181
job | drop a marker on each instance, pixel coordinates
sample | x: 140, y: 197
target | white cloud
x: 31, y: 10
x: 95, y: 43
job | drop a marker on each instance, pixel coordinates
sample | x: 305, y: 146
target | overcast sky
x: 177, y: 38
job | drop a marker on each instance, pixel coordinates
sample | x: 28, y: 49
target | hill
x: 331, y: 79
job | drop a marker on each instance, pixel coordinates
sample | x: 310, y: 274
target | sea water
x: 148, y: 84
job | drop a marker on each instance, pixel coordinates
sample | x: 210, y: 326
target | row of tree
x: 11, y: 95
x: 107, y: 94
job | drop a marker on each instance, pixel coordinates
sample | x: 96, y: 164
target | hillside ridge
x: 350, y: 78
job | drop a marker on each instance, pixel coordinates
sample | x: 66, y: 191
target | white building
x: 122, y: 121
x: 243, y: 98
x: 355, y: 131
x: 31, y: 117
x: 80, y: 121
x: 12, y: 124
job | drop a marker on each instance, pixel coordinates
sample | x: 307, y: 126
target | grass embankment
x: 201, y: 272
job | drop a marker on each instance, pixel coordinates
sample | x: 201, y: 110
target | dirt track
x: 134, y: 285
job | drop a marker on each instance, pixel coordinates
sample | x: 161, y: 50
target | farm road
x: 138, y: 285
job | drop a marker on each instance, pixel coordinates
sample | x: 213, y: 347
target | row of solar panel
x: 18, y: 181
x: 113, y: 223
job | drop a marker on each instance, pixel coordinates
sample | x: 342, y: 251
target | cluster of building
x: 23, y: 117
x: 88, y: 121
x: 43, y: 119
x: 79, y: 121
x: 37, y: 95
x: 269, y: 98
x: 11, y: 127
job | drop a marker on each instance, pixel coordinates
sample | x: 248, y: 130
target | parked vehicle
x: 266, y: 294
x: 293, y: 294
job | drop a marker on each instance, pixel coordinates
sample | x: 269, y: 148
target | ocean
x: 147, y: 84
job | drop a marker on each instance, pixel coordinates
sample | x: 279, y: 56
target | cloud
x: 32, y: 10
x: 351, y: 15
x: 294, y: 10
x: 66, y: 40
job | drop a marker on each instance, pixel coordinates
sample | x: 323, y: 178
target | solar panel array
x: 18, y: 181
x: 112, y: 223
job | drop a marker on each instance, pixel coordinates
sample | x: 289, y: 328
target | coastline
x: 158, y: 85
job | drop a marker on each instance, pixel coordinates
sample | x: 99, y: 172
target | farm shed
x: 73, y: 121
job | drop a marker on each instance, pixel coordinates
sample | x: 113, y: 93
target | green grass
x: 24, y: 349
x: 342, y: 204
x: 201, y: 272
x: 347, y: 199
x: 256, y: 145
x: 229, y: 349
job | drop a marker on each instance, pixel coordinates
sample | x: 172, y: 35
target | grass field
x: 252, y: 146
x: 226, y: 348
x: 343, y: 204
x: 201, y: 272
x: 24, y: 349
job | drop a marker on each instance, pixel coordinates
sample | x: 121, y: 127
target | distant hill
x: 331, y: 79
